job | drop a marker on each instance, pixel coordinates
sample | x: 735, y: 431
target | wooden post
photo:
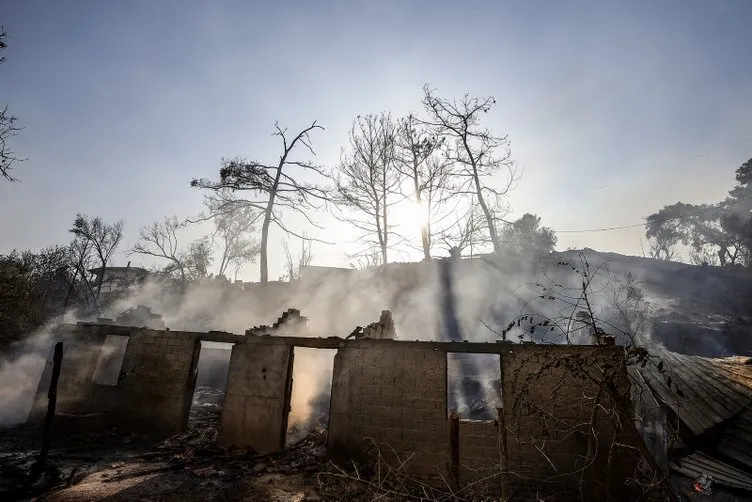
x: 454, y: 449
x: 38, y: 467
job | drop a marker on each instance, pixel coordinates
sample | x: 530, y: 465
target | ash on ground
x: 114, y: 465
x: 207, y: 405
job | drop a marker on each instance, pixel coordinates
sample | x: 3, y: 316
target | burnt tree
x: 272, y: 187
x: 368, y: 181
x: 8, y: 128
x: 476, y: 153
x: 420, y: 160
x: 99, y: 238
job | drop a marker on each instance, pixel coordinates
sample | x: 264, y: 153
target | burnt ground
x: 112, y: 465
x: 117, y: 466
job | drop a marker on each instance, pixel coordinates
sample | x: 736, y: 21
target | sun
x: 412, y: 217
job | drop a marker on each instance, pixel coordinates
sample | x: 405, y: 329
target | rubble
x: 190, y: 464
x: 383, y: 329
x: 704, y: 484
x: 291, y: 322
x: 141, y: 316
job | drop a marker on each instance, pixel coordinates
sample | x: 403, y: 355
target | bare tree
x: 292, y: 266
x: 160, y: 240
x: 103, y: 239
x: 466, y: 232
x: 368, y: 180
x: 199, y: 258
x: 429, y: 172
x: 626, y: 300
x: 367, y: 259
x: 272, y: 187
x: 477, y: 153
x: 234, y: 229
x: 8, y: 128
x: 82, y: 261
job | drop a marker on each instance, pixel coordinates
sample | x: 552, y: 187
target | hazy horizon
x: 613, y: 109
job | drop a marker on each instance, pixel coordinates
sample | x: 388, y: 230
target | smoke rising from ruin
x: 21, y: 368
x: 494, y: 291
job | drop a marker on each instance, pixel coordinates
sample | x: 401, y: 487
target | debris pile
x: 383, y: 329
x: 190, y: 464
x: 208, y: 397
x: 141, y: 316
x: 316, y: 423
x: 290, y: 323
x: 703, y: 484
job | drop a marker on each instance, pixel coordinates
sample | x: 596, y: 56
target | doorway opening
x: 311, y: 394
x: 474, y: 385
x: 211, y: 382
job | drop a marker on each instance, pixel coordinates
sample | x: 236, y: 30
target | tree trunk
x: 384, y: 247
x: 264, y: 272
x: 487, y: 213
x: 99, y: 286
x: 426, y: 243
x: 70, y: 291
x: 481, y: 200
x: 424, y: 235
x: 385, y: 242
x: 264, y: 263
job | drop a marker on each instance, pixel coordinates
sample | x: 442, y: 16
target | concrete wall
x: 385, y: 393
x: 156, y: 389
x: 549, y: 395
x: 394, y: 395
x: 480, y: 452
x: 257, y: 399
x: 156, y: 381
x: 76, y: 390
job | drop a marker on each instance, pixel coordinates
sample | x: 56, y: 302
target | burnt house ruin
x: 549, y: 425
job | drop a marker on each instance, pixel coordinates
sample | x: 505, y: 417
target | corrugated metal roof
x: 736, y: 442
x: 708, y: 396
x: 698, y: 390
x: 699, y: 463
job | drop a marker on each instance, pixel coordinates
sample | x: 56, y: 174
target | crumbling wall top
x: 290, y: 323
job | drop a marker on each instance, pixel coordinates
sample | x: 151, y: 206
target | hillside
x: 700, y: 310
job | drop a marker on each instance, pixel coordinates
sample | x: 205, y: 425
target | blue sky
x: 609, y: 105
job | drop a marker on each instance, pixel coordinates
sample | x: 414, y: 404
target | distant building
x: 116, y: 278
x: 312, y: 273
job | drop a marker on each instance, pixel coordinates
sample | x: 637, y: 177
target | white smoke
x: 494, y: 291
x: 21, y: 368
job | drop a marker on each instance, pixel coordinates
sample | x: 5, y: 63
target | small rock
x: 259, y: 467
x: 117, y: 465
x: 205, y: 471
